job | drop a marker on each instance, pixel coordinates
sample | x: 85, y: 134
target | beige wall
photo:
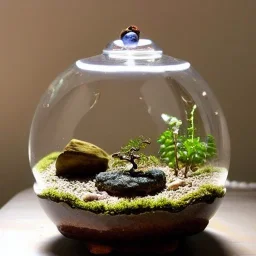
x: 39, y: 39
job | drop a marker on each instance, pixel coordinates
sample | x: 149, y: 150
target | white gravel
x: 81, y: 188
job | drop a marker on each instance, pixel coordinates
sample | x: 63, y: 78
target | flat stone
x: 81, y: 159
x: 140, y: 183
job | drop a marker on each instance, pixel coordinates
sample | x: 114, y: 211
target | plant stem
x: 186, y: 171
x: 191, y: 119
x: 176, y: 154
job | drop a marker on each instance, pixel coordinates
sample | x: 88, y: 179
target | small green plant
x: 130, y: 153
x: 170, y: 142
x: 184, y: 151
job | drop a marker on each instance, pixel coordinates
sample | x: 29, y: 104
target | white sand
x: 48, y: 179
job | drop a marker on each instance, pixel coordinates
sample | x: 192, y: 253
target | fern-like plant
x: 184, y: 151
x: 169, y: 141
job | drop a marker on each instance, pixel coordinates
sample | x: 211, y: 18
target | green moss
x: 46, y: 161
x: 117, y: 163
x: 206, y: 170
x: 206, y: 193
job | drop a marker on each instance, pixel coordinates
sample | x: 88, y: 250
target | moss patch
x: 46, y: 161
x: 206, y: 170
x: 206, y: 193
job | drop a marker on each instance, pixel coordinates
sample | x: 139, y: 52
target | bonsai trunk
x: 134, y: 165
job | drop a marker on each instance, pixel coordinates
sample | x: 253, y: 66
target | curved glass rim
x: 131, y: 67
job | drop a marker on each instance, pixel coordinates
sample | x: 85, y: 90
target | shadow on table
x: 205, y: 243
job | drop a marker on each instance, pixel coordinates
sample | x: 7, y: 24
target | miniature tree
x: 186, y: 151
x: 129, y: 156
x: 128, y: 152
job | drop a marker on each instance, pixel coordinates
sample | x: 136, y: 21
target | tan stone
x: 81, y: 159
x: 176, y: 184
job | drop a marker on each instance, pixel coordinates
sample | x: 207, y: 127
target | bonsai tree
x: 186, y: 151
x: 129, y: 153
x: 129, y: 156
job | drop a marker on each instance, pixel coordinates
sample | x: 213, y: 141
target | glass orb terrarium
x: 129, y: 147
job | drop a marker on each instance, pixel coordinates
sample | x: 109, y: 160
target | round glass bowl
x: 129, y: 145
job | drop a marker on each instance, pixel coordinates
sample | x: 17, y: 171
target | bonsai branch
x: 129, y: 156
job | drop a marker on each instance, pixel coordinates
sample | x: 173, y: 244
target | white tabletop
x: 25, y: 230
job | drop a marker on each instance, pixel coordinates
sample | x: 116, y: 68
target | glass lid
x: 132, y: 54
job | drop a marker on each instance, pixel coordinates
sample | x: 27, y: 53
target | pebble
x: 176, y: 184
x: 90, y: 197
x: 94, y: 196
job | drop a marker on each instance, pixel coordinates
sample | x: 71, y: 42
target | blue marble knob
x: 130, y: 39
x: 130, y: 36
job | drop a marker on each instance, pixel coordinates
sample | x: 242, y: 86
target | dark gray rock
x: 119, y: 183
